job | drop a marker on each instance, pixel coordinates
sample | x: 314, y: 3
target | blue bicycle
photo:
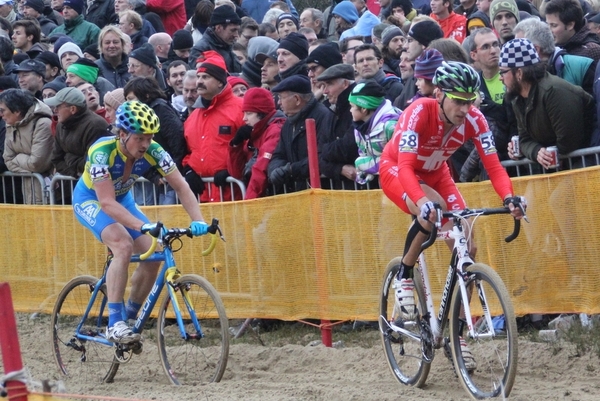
x: 192, y: 330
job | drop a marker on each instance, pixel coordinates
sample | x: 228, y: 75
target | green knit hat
x: 369, y: 95
x: 85, y: 69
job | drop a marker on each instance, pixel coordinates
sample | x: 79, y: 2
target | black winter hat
x: 425, y: 32
x: 145, y: 54
x: 182, y: 39
x: 223, y: 15
x: 48, y: 57
x: 295, y: 83
x: 296, y: 43
x: 37, y: 5
x: 325, y: 55
x: 93, y: 50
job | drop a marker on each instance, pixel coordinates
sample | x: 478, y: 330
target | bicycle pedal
x: 123, y: 353
x: 137, y: 348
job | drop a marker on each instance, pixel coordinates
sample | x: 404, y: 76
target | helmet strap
x: 444, y: 112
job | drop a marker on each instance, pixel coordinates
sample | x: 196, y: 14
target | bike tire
x: 74, y: 357
x: 193, y: 360
x: 404, y: 355
x: 496, y: 356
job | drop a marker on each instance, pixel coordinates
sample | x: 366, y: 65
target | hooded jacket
x: 171, y: 12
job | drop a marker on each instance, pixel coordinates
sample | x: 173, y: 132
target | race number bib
x: 487, y: 143
x: 409, y: 142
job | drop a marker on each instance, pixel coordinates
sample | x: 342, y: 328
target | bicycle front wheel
x: 404, y: 353
x: 75, y: 356
x: 195, y: 350
x: 490, y: 369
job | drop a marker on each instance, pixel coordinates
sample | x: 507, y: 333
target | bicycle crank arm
x: 386, y: 327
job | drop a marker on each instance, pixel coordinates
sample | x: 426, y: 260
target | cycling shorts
x: 88, y: 212
x: 443, y: 184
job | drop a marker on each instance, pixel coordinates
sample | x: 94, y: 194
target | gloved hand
x: 242, y: 134
x: 426, y: 209
x: 281, y: 175
x: 516, y: 201
x: 194, y: 180
x: 221, y: 178
x: 198, y: 228
x: 151, y: 228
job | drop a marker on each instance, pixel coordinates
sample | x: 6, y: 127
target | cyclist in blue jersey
x: 103, y: 203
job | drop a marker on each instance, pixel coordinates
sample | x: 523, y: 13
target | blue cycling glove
x: 198, y: 228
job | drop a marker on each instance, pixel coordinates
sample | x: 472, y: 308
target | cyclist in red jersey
x: 413, y: 171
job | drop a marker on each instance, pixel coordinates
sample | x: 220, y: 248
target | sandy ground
x: 297, y: 372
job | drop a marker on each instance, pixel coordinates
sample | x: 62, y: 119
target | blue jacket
x: 258, y: 8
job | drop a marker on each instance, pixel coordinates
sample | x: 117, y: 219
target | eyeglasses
x: 313, y: 69
x: 502, y: 72
x: 134, y: 66
x: 488, y: 46
x: 462, y: 100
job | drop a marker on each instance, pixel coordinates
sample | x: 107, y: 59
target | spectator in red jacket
x: 209, y: 129
x: 253, y: 145
x: 171, y: 12
x: 453, y: 25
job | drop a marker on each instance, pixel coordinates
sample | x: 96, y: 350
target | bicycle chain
x: 426, y: 337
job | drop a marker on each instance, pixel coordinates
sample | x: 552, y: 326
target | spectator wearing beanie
x: 320, y: 59
x: 112, y: 101
x: 425, y: 66
x: 143, y: 63
x: 477, y: 20
x: 345, y: 15
x: 286, y: 24
x: 239, y: 87
x: 289, y: 163
x: 171, y: 12
x: 209, y: 129
x: 374, y: 121
x: 34, y: 9
x: 392, y: 41
x: 219, y: 37
x: 68, y: 54
x: 82, y: 32
x: 507, y: 13
x: 50, y: 59
x: 251, y: 70
x: 84, y: 70
x: 180, y: 47
x: 291, y: 55
x: 92, y: 53
x: 253, y: 145
x: 422, y: 34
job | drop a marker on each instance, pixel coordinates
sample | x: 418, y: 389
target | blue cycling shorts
x: 87, y: 210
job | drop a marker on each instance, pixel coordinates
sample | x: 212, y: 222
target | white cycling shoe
x: 120, y: 333
x: 405, y: 298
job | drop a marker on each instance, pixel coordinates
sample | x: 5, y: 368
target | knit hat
x: 48, y: 57
x: 295, y: 83
x: 258, y: 100
x: 287, y: 16
x: 518, y: 53
x: 482, y: 20
x: 69, y: 47
x: 85, y: 69
x: 378, y: 29
x: 92, y: 50
x: 296, y: 43
x: 325, y: 55
x: 345, y: 71
x: 390, y: 33
x: 347, y: 11
x: 145, y: 54
x: 233, y: 81
x: 114, y: 98
x: 55, y: 85
x: 32, y: 66
x: 504, y: 5
x: 37, y: 5
x: 77, y: 5
x: 182, y: 40
x: 69, y: 95
x: 224, y: 15
x: 213, y: 64
x: 425, y: 32
x: 475, y: 23
x: 368, y: 95
x: 427, y: 63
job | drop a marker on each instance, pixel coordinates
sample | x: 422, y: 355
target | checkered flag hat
x: 518, y: 53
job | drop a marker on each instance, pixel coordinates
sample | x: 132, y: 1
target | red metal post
x: 9, y: 344
x: 315, y: 182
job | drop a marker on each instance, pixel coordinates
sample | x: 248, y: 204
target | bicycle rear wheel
x: 404, y: 353
x: 195, y: 357
x: 76, y: 357
x: 495, y: 351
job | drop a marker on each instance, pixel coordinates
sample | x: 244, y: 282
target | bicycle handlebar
x: 468, y: 213
x: 159, y: 232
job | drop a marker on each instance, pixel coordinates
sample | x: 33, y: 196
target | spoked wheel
x: 77, y: 357
x: 490, y: 369
x: 197, y: 356
x: 404, y: 352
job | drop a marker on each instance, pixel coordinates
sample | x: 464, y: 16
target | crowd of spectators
x: 233, y: 82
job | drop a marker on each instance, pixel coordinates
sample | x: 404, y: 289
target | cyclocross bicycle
x: 474, y: 295
x: 192, y: 330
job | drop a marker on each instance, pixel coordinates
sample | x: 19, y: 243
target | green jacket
x: 82, y: 32
x: 556, y: 113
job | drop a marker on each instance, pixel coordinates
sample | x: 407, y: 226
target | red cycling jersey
x: 419, y: 150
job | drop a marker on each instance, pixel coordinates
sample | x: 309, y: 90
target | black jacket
x: 210, y: 41
x: 116, y: 76
x: 101, y: 12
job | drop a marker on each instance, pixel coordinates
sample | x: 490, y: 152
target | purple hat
x: 427, y: 63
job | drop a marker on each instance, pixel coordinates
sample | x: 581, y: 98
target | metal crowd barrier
x: 580, y: 158
x: 16, y: 189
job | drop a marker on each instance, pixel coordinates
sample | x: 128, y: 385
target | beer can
x: 515, y: 146
x: 554, y: 153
